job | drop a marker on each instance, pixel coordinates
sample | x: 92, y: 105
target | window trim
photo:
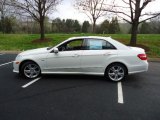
x: 71, y: 41
x: 86, y: 39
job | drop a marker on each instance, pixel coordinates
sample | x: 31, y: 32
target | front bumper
x: 15, y: 67
x: 15, y: 71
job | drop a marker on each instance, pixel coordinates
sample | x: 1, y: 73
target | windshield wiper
x: 49, y: 48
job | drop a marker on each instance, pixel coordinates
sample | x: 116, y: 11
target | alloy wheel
x: 116, y: 73
x: 31, y: 70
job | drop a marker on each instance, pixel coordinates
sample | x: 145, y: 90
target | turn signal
x: 17, y: 62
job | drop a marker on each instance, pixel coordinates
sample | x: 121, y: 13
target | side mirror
x: 55, y: 50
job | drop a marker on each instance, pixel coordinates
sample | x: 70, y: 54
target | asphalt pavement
x: 78, y: 97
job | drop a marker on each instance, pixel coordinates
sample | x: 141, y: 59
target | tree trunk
x: 94, y: 26
x: 134, y: 32
x: 2, y: 24
x: 42, y: 29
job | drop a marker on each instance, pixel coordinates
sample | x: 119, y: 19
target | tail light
x: 142, y: 56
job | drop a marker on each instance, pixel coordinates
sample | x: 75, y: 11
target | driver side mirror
x: 55, y: 50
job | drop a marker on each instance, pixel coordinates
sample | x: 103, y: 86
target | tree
x: 104, y: 27
x: 144, y: 28
x: 37, y: 9
x: 114, y: 26
x: 69, y: 25
x: 155, y: 25
x: 8, y: 25
x: 3, y: 11
x: 56, y: 25
x: 85, y: 26
x: 92, y: 8
x: 76, y: 26
x: 135, y: 16
x: 65, y: 26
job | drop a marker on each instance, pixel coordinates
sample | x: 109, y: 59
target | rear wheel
x: 116, y: 72
x: 30, y: 70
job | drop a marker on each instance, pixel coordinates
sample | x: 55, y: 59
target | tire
x: 116, y: 72
x: 30, y: 70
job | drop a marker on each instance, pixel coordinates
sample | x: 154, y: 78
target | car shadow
x: 73, y: 77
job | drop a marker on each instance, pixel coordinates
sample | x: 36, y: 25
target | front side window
x: 98, y: 44
x: 71, y: 45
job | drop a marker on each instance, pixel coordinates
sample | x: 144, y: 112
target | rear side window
x: 98, y: 44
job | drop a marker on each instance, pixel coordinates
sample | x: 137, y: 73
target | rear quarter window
x: 98, y: 44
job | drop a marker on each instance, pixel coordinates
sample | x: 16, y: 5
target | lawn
x: 19, y: 42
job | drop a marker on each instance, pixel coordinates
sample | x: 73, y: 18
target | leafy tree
x: 104, y: 27
x: 85, y: 26
x: 65, y: 26
x: 155, y: 25
x: 69, y: 25
x: 56, y: 25
x: 9, y: 23
x: 76, y: 26
x: 114, y: 26
x: 145, y: 28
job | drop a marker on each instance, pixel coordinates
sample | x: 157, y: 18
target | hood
x: 34, y: 51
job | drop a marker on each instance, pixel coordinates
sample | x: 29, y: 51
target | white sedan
x: 92, y: 55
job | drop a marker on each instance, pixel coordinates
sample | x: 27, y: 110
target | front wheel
x: 30, y: 70
x: 116, y: 72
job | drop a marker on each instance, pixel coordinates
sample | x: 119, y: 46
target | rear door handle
x: 75, y: 55
x: 109, y: 53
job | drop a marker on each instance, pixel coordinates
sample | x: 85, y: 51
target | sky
x: 66, y: 10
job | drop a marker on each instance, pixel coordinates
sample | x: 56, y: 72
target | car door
x: 96, y: 54
x: 67, y: 59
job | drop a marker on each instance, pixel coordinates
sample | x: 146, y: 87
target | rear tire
x: 30, y: 70
x: 116, y: 72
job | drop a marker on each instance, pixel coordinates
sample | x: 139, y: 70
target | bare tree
x: 92, y: 8
x: 132, y: 11
x: 37, y: 9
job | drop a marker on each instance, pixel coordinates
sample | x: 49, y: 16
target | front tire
x: 30, y: 70
x: 116, y: 72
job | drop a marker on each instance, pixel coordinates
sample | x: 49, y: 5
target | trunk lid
x: 138, y: 49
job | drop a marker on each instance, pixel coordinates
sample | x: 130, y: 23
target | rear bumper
x: 143, y: 67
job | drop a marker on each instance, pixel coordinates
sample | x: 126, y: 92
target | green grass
x: 24, y: 41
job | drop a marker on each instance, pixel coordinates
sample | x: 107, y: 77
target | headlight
x: 18, y: 59
x: 18, y: 56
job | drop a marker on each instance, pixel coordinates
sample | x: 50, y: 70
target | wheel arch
x: 27, y: 60
x: 117, y: 63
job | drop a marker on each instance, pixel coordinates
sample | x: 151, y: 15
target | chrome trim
x: 15, y: 71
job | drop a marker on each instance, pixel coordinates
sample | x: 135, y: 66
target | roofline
x: 81, y: 37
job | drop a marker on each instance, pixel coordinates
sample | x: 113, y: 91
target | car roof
x: 83, y: 37
x: 109, y: 39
